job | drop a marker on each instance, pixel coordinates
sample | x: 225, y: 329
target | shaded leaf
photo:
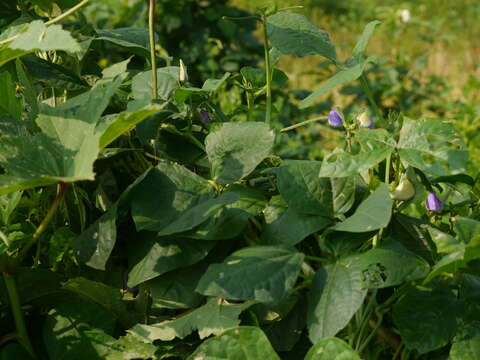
x: 331, y: 349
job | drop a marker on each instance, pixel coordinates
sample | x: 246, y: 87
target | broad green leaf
x: 36, y: 36
x: 167, y: 82
x: 152, y: 256
x: 182, y: 94
x: 467, y: 230
x: 261, y: 273
x: 375, y: 146
x: 9, y: 104
x: 8, y: 203
x: 94, y: 245
x: 130, y: 347
x: 235, y: 149
x: 466, y: 343
x: 332, y: 349
x: 294, y: 34
x: 66, y: 148
x: 342, y: 77
x: 213, y: 318
x: 304, y: 192
x: 372, y: 214
x: 166, y: 193
x: 445, y: 243
x: 52, y: 74
x: 285, y: 226
x: 65, y: 326
x: 176, y: 289
x: 384, y: 267
x: 106, y: 296
x: 451, y: 263
x: 242, y: 343
x: 231, y: 219
x: 426, y: 319
x: 362, y: 42
x: 336, y: 294
x: 29, y: 92
x: 423, y: 144
x: 133, y: 39
x: 343, y: 193
x: 124, y: 122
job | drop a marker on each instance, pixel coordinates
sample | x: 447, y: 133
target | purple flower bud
x: 335, y: 119
x: 205, y: 116
x: 433, y: 203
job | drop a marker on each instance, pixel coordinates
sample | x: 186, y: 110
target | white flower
x: 404, y: 15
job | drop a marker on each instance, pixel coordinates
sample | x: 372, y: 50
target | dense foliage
x: 194, y: 211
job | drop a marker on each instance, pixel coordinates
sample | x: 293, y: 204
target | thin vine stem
x: 268, y: 71
x: 303, y: 123
x: 68, y: 12
x: 15, y: 304
x: 368, y: 92
x: 153, y: 57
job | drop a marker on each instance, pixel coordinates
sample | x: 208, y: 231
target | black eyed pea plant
x: 141, y: 221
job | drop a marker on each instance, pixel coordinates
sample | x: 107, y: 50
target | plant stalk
x: 153, y: 57
x: 288, y: 128
x: 17, y: 312
x: 68, y: 12
x: 368, y: 92
x: 268, y: 71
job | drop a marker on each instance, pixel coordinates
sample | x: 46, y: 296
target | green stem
x: 43, y: 225
x: 17, y: 312
x: 368, y: 92
x: 387, y: 181
x: 268, y: 71
x: 377, y: 325
x: 153, y: 57
x: 316, y: 259
x: 366, y: 318
x: 68, y: 12
x: 309, y: 121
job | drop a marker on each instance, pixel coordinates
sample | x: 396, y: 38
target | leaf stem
x: 316, y: 259
x: 43, y: 225
x: 17, y: 312
x: 153, y: 58
x: 368, y: 92
x: 309, y: 121
x: 68, y: 12
x: 268, y: 71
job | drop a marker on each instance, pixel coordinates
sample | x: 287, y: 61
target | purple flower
x: 433, y: 203
x: 335, y: 119
x: 205, y: 116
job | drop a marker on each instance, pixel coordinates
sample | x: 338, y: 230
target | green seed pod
x: 404, y: 191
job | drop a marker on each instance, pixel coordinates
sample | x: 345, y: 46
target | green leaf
x: 342, y: 77
x: 466, y: 344
x: 362, y: 41
x: 375, y: 146
x: 106, y: 296
x: 213, y: 318
x: 10, y: 104
x: 36, y: 36
x: 176, y: 289
x: 52, y: 74
x: 304, y: 192
x: 65, y: 327
x: 467, y: 230
x: 167, y: 78
x: 423, y: 144
x: 29, y: 92
x: 130, y: 347
x: 372, y: 214
x: 124, y: 122
x: 425, y: 319
x: 14, y: 351
x: 235, y: 149
x: 285, y: 226
x: 66, y: 148
x: 133, y: 39
x: 294, y: 34
x: 336, y: 294
x: 384, y: 267
x: 242, y: 343
x: 94, y: 245
x: 261, y: 273
x: 153, y: 256
x: 166, y: 193
x: 210, y: 86
x: 231, y: 219
x: 331, y: 349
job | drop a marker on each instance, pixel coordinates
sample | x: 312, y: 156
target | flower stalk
x: 153, y: 57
